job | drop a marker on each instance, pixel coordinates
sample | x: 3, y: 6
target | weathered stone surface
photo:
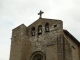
x: 51, y: 45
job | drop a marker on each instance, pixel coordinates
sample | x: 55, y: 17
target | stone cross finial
x: 40, y: 13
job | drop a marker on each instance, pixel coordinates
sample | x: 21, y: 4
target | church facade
x: 45, y: 39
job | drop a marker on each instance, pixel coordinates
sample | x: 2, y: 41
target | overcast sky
x: 16, y: 12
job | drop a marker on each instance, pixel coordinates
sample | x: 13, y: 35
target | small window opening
x: 47, y: 27
x: 33, y: 31
x: 39, y: 29
x: 55, y: 25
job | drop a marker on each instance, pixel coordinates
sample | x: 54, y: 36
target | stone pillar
x: 60, y: 47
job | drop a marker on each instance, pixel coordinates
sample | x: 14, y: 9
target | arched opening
x: 33, y: 31
x: 39, y: 29
x: 38, y: 56
x: 47, y: 27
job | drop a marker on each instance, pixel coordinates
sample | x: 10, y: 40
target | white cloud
x: 4, y: 52
x: 15, y: 12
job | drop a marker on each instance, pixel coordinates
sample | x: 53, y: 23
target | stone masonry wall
x: 17, y: 43
x: 23, y: 45
x: 50, y: 43
x: 67, y: 50
x: 73, y: 47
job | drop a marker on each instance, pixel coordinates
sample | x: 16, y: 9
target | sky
x: 16, y: 12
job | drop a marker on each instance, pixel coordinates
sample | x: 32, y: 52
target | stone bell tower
x: 45, y: 39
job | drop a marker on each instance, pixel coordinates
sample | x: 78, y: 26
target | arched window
x: 47, y: 27
x: 33, y: 31
x: 38, y: 56
x: 39, y: 29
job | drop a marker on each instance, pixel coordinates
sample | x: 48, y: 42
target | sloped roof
x: 71, y: 36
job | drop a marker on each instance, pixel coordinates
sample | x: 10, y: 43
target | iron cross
x: 40, y: 13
